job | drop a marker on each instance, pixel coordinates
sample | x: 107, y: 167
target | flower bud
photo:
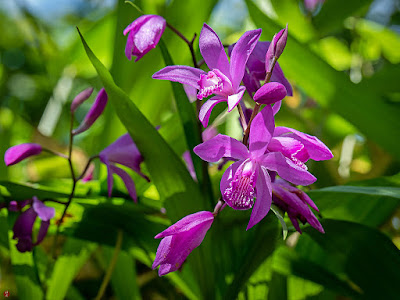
x: 144, y: 34
x: 95, y: 111
x: 80, y: 98
x: 270, y: 92
x: 275, y: 48
x: 18, y: 153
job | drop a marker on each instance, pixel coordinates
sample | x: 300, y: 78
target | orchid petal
x: 187, y: 223
x: 44, y: 212
x: 182, y: 74
x: 234, y: 99
x: 94, y: 113
x: 212, y: 50
x: 289, y: 147
x: 191, y: 92
x: 263, y: 198
x: 80, y: 98
x: 207, y: 107
x: 221, y: 146
x: 261, y: 130
x: 276, y: 107
x: 269, y: 93
x: 24, y: 224
x: 44, y: 227
x: 189, y: 164
x: 315, y: 148
x: 227, y: 177
x: 162, y: 251
x: 129, y: 184
x: 240, y: 54
x: 286, y: 169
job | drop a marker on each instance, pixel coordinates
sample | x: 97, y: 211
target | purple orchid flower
x: 95, y: 111
x: 255, y: 70
x: 224, y: 78
x: 23, y: 226
x: 248, y: 177
x: 144, y: 34
x: 295, y: 202
x: 298, y: 146
x: 18, y: 153
x: 180, y: 239
x: 124, y: 152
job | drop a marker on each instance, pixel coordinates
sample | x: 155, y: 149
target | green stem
x: 111, y: 267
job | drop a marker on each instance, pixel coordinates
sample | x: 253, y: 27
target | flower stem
x: 74, y: 180
x: 87, y: 166
x: 55, y: 153
x: 258, y: 106
x: 189, y: 43
x: 242, y: 117
x: 111, y: 267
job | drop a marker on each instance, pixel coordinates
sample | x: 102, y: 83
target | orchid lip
x: 240, y: 193
x: 209, y: 83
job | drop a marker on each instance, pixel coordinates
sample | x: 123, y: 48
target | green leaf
x: 369, y: 205
x: 364, y: 255
x: 341, y: 9
x: 123, y: 279
x: 250, y: 250
x: 23, y: 191
x: 332, y: 89
x: 278, y: 287
x: 74, y: 255
x: 191, y: 128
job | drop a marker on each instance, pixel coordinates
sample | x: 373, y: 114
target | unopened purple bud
x: 95, y: 111
x: 18, y: 153
x: 144, y: 34
x: 275, y: 48
x: 270, y: 92
x: 80, y: 98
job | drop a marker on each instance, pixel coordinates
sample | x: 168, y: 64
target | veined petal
x: 24, y: 224
x: 315, y: 148
x: 228, y: 176
x: 182, y: 74
x: 233, y: 100
x: 261, y: 131
x: 263, y: 198
x: 128, y: 181
x: 187, y: 223
x: 240, y: 54
x: 221, y: 146
x: 290, y: 148
x: 212, y: 50
x: 286, y: 169
x: 270, y: 92
x: 207, y: 107
x: 162, y: 251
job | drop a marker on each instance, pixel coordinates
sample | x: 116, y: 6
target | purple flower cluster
x: 248, y: 183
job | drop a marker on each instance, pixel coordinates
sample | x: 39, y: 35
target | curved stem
x: 87, y: 166
x: 111, y: 267
x: 55, y: 153
x: 258, y: 106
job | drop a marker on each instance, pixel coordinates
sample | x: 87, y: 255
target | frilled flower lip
x: 124, y: 152
x: 227, y: 75
x: 179, y: 240
x: 261, y: 132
